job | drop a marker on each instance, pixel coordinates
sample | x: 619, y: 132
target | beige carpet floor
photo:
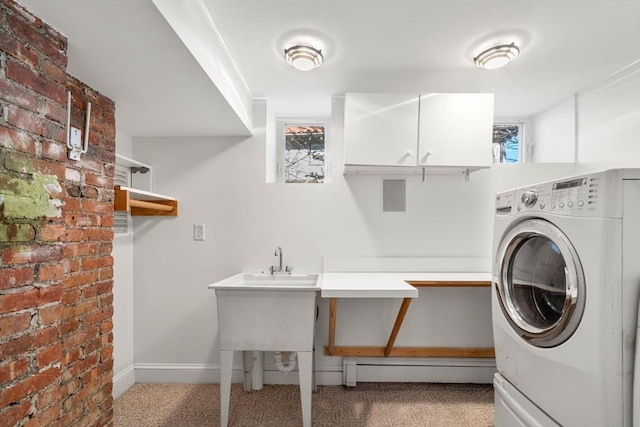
x: 367, y: 404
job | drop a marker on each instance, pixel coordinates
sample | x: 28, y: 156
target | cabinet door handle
x: 426, y: 156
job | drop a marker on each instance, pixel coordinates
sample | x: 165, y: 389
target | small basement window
x: 506, y: 144
x: 302, y: 151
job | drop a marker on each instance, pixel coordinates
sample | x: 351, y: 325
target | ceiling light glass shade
x: 497, y: 56
x: 303, y: 58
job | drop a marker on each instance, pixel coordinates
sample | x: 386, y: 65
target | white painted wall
x: 123, y: 348
x: 603, y: 120
x: 221, y: 183
x: 609, y: 119
x: 554, y: 133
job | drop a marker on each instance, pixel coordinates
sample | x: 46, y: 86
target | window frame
x: 524, y: 124
x: 281, y: 145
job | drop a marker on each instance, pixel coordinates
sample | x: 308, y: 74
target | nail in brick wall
x: 56, y: 218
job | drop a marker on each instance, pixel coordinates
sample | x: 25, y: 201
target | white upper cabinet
x: 443, y: 132
x: 381, y: 129
x: 456, y: 129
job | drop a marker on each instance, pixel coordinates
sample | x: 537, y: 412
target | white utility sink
x: 267, y: 312
x: 263, y: 281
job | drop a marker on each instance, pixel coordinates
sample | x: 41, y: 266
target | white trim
x: 123, y: 380
x: 442, y: 370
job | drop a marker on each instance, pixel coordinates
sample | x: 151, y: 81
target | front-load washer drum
x: 540, y: 283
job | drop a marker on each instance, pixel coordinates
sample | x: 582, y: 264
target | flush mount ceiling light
x: 497, y: 56
x: 303, y: 58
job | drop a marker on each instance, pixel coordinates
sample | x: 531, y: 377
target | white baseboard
x: 123, y: 380
x: 478, y: 372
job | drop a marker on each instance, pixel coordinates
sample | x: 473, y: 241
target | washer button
x: 542, y: 205
x: 553, y: 205
x: 580, y: 203
x: 561, y: 205
x: 570, y: 204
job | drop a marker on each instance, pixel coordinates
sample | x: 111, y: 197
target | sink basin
x: 265, y: 281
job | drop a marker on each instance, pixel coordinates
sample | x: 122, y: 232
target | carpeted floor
x: 367, y: 404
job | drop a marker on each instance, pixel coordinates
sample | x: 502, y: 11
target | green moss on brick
x: 31, y: 200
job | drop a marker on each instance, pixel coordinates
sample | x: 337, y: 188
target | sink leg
x: 226, y: 362
x: 305, y: 368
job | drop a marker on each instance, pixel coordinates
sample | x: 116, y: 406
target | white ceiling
x: 128, y: 51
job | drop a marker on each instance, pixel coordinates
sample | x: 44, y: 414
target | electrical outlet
x: 198, y: 231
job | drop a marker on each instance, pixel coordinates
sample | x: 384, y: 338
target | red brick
x: 97, y: 207
x: 14, y: 324
x: 106, y: 354
x: 15, y: 277
x: 95, y: 263
x: 46, y: 336
x: 49, y: 355
x: 31, y: 254
x: 81, y: 249
x: 16, y: 140
x: 73, y: 235
x: 13, y: 415
x: 32, y: 122
x: 29, y: 386
x: 14, y: 94
x: 106, y: 221
x: 106, y: 274
x: 16, y: 347
x: 70, y: 357
x: 52, y: 272
x: 26, y: 164
x: 31, y: 298
x: 48, y: 396
x: 52, y: 232
x: 89, y: 192
x: 99, y: 180
x: 55, y: 72
x: 32, y: 80
x: 54, y: 150
x: 81, y: 219
x: 12, y: 370
x: 73, y: 266
x: 50, y: 314
x: 72, y: 205
x: 44, y: 418
x: 50, y: 47
x: 18, y: 50
x: 107, y: 326
x: 81, y: 366
x: 80, y: 279
x: 68, y: 326
x: 97, y: 234
x: 79, y: 309
x: 98, y: 316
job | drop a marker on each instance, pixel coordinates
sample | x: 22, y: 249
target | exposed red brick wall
x: 56, y: 218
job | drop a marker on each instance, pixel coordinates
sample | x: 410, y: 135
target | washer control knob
x: 529, y: 198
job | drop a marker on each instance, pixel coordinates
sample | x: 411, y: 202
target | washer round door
x: 540, y: 283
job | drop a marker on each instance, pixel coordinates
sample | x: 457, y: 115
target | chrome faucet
x: 273, y: 269
x: 278, y: 253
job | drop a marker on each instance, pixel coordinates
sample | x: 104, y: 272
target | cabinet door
x: 380, y: 129
x: 456, y: 129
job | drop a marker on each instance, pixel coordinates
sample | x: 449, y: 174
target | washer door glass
x: 540, y: 283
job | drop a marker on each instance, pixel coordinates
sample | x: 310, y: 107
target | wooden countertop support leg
x: 396, y: 327
x: 333, y: 310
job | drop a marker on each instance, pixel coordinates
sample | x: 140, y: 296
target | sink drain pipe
x: 291, y: 361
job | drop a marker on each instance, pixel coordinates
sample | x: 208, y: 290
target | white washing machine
x: 565, y: 298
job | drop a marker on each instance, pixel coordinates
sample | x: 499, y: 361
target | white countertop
x: 386, y: 285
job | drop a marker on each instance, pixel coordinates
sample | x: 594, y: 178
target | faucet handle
x: 288, y: 269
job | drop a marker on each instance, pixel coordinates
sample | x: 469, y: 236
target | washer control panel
x: 582, y: 195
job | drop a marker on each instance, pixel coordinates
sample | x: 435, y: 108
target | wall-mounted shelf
x: 144, y: 203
